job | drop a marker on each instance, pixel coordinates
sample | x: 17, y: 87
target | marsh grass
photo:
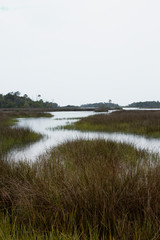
x: 73, y: 118
x: 136, y: 122
x: 83, y: 189
x: 23, y: 114
x: 14, y: 137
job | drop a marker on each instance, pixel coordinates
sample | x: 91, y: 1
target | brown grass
x: 15, y: 137
x: 93, y: 188
x: 136, y: 122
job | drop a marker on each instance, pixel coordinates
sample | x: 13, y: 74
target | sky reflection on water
x: 55, y: 137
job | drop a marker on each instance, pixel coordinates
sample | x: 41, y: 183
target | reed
x: 14, y: 137
x: 135, y: 122
x: 11, y: 115
x: 83, y: 189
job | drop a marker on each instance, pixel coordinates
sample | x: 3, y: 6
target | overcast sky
x: 81, y: 51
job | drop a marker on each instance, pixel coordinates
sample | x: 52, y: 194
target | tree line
x: 146, y: 104
x: 14, y: 100
x: 101, y: 105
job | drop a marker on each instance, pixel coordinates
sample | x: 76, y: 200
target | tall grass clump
x: 14, y: 137
x: 83, y: 189
x: 136, y: 122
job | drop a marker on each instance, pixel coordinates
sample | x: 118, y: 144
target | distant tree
x: 39, y: 96
x: 17, y: 93
x: 25, y: 96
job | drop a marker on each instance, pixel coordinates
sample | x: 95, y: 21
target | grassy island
x: 16, y: 137
x: 139, y: 122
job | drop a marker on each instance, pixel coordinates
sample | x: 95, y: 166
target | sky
x: 81, y: 51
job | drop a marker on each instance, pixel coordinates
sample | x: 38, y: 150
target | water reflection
x: 53, y: 138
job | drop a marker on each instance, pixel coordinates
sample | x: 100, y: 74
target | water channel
x: 52, y: 137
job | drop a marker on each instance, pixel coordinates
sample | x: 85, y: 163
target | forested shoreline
x: 14, y: 100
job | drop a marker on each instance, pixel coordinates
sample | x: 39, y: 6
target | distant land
x: 15, y: 100
x: 147, y: 104
x: 100, y: 105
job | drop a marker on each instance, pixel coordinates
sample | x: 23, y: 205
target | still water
x: 54, y: 137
